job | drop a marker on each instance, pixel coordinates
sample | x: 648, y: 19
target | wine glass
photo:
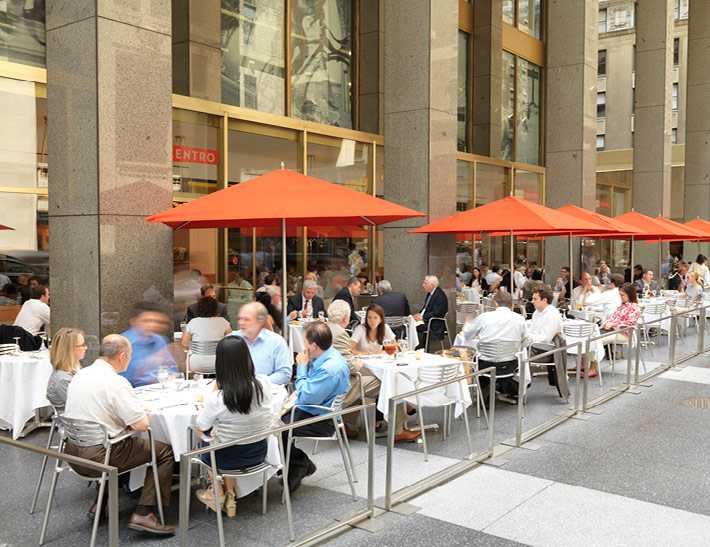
x: 163, y: 375
x: 17, y: 345
x: 321, y: 316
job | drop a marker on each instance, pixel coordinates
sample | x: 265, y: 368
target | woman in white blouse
x: 207, y: 326
x: 239, y: 396
x: 369, y: 337
x: 693, y: 289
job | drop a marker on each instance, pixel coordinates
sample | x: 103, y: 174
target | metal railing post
x: 184, y: 497
x: 701, y: 330
x: 637, y: 333
x: 521, y: 399
x: 672, y: 340
x: 630, y: 334
x: 371, y: 461
x: 113, y: 506
x: 390, y: 450
x: 491, y: 410
x: 585, y: 360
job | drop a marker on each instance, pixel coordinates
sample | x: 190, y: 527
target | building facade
x: 115, y: 112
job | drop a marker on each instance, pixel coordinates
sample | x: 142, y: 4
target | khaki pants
x: 126, y: 455
x: 372, y: 390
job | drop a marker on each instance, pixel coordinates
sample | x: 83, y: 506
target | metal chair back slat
x: 83, y: 432
x: 498, y: 351
x: 437, y: 373
x: 395, y: 321
x: 228, y: 431
x: 578, y: 330
x: 204, y: 347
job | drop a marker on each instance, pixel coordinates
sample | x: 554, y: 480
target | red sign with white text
x: 604, y: 204
x: 194, y: 155
x: 531, y: 196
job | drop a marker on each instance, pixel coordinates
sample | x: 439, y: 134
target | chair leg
x: 315, y: 448
x: 346, y: 463
x: 479, y: 396
x: 421, y: 426
x: 465, y: 420
x: 264, y: 493
x: 99, y: 503
x: 286, y: 494
x: 189, y: 492
x: 52, y: 488
x: 42, y: 469
x: 350, y: 454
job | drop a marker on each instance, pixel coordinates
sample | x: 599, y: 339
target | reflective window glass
x: 529, y: 17
x: 253, y: 54
x: 195, y: 154
x: 508, y: 107
x: 464, y: 91
x: 22, y: 37
x: 322, y: 61
x: 509, y: 11
x: 528, y: 112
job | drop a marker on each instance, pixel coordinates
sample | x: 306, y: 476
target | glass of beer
x: 389, y: 345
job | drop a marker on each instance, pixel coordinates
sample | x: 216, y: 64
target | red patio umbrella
x: 512, y: 216
x: 283, y: 198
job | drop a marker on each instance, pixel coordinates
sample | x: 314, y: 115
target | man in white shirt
x: 609, y: 300
x: 581, y: 293
x: 99, y: 394
x: 35, y: 312
x: 492, y: 277
x: 500, y: 325
x: 546, y: 321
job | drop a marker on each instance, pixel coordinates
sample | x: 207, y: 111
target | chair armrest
x: 407, y: 376
x: 122, y: 436
x: 200, y: 434
x: 362, y: 386
x: 320, y: 407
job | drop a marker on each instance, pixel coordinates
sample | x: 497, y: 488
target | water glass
x: 163, y: 375
x: 321, y: 315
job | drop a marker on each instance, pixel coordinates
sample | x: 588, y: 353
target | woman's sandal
x: 207, y: 497
x: 230, y: 504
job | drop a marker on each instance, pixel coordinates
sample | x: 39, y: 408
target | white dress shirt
x: 33, y: 314
x: 491, y: 278
x: 500, y: 325
x: 579, y: 298
x: 609, y: 300
x: 545, y: 325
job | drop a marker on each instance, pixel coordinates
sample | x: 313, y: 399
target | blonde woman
x: 68, y: 348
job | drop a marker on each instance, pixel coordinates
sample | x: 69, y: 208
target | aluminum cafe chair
x: 85, y: 433
x: 207, y: 347
x: 465, y: 309
x: 434, y: 374
x: 338, y: 436
x: 580, y: 332
x: 475, y: 386
x: 363, y: 401
x: 497, y: 352
x: 651, y: 312
x: 53, y: 428
x: 445, y: 319
x: 224, y: 432
x: 398, y: 324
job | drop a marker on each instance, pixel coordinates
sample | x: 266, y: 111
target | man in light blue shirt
x: 268, y: 350
x: 317, y: 383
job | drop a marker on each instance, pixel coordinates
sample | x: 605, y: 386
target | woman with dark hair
x: 273, y: 321
x: 239, y: 397
x: 625, y: 315
x: 369, y: 337
x: 476, y: 279
x: 206, y: 326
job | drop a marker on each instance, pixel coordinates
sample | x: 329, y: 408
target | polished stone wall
x: 653, y: 117
x: 371, y: 66
x: 197, y: 49
x: 110, y: 99
x: 420, y: 128
x: 697, y: 136
x: 570, y: 118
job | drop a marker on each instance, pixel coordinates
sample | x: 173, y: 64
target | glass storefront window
x: 528, y: 112
x: 24, y: 250
x: 528, y: 186
x: 464, y: 91
x: 253, y: 55
x: 509, y: 11
x: 195, y: 154
x: 379, y: 192
x: 464, y: 186
x: 508, y: 107
x: 22, y: 36
x: 492, y: 183
x: 322, y: 61
x: 529, y: 17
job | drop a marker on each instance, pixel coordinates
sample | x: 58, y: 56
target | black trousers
x: 319, y: 429
x: 503, y: 385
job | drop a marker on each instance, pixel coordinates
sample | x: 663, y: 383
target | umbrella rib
x: 183, y: 224
x: 368, y: 220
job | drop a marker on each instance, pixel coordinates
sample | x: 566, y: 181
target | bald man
x: 99, y: 394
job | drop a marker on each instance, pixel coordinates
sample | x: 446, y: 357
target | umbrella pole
x: 660, y: 259
x: 571, y: 268
x: 631, y: 261
x: 284, y: 306
x: 512, y: 266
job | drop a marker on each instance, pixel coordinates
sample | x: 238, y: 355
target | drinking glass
x: 183, y: 324
x: 163, y: 375
x: 321, y: 315
x: 179, y: 381
x: 17, y: 345
x: 389, y: 345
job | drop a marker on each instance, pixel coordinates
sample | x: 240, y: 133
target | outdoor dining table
x: 471, y: 295
x: 172, y: 411
x: 386, y: 368
x: 295, y: 335
x: 23, y: 388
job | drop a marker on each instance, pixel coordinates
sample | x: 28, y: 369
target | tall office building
x: 116, y: 111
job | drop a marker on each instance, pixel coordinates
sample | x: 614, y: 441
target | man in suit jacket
x: 307, y: 299
x: 353, y: 288
x: 395, y: 304
x: 207, y: 290
x: 338, y: 319
x: 646, y: 283
x: 436, y: 305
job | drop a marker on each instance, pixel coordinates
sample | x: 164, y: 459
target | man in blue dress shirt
x: 268, y: 350
x: 321, y: 375
x: 150, y: 350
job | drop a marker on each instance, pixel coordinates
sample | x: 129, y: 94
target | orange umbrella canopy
x: 685, y: 233
x: 508, y: 214
x: 699, y: 224
x: 355, y: 232
x: 622, y: 229
x: 652, y: 228
x: 283, y: 194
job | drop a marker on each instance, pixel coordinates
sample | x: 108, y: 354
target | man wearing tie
x: 436, y: 305
x: 308, y: 303
x: 646, y: 284
x: 353, y: 288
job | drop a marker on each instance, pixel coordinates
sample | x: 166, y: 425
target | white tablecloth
x: 596, y: 347
x: 172, y: 412
x: 23, y: 388
x: 295, y: 335
x: 393, y: 384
